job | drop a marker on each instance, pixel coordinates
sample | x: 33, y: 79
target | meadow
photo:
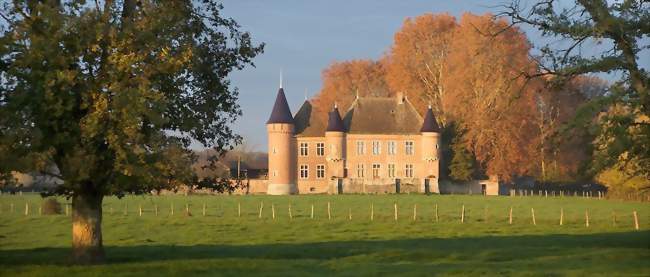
x: 232, y: 239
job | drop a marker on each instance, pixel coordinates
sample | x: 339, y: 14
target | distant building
x: 379, y: 145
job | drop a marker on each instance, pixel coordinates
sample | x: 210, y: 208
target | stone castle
x: 379, y: 145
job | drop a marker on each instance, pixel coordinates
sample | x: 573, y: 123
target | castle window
x: 304, y: 171
x: 304, y: 149
x: 408, y: 172
x: 375, y: 170
x: 275, y: 151
x: 360, y: 171
x: 376, y: 147
x: 391, y: 170
x: 320, y: 149
x: 320, y: 171
x: 361, y: 148
x: 409, y: 147
x: 391, y: 148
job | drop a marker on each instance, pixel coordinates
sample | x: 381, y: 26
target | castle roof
x: 430, y: 124
x: 309, y: 121
x: 382, y: 115
x: 281, y: 112
x: 334, y: 122
x: 366, y: 115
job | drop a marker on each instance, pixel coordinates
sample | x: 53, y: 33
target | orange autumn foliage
x: 418, y: 61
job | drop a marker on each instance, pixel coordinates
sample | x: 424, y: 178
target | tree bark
x: 87, y: 245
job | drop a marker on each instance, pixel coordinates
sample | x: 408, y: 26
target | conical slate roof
x: 281, y: 112
x: 335, y: 123
x: 430, y: 124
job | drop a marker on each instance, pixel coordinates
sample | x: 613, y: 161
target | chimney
x: 400, y: 97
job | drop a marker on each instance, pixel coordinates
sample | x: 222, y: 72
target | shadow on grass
x: 478, y: 249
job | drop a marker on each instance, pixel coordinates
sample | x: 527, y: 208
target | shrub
x: 51, y: 206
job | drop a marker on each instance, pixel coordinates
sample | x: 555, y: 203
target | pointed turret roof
x: 430, y: 124
x: 281, y: 112
x: 335, y: 123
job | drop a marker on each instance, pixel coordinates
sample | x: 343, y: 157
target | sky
x: 303, y: 37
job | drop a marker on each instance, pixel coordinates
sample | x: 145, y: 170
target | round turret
x: 430, y: 134
x: 280, y: 128
x: 335, y: 137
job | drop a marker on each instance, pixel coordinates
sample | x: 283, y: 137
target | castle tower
x: 282, y: 156
x: 335, y: 138
x: 430, y: 135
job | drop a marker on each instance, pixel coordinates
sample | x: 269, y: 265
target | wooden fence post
x: 561, y: 216
x: 172, y: 208
x: 636, y: 221
x: 329, y: 212
x: 261, y: 208
x: 155, y: 209
x: 140, y: 209
x: 372, y: 212
x: 415, y: 212
x: 273, y: 210
x: 187, y: 209
x: 532, y: 211
x: 290, y: 215
x: 436, y: 212
x: 67, y: 209
x: 395, y: 209
x: 26, y: 209
x: 462, y: 214
x: 349, y: 213
x: 238, y: 209
x: 510, y: 216
x: 586, y: 218
x: 312, y: 210
x: 204, y: 208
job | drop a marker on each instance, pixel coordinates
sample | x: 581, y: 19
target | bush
x: 51, y: 206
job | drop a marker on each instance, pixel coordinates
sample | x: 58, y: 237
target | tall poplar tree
x: 108, y: 95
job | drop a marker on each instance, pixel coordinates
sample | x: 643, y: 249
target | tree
x: 103, y: 95
x: 487, y: 97
x: 564, y: 152
x: 418, y: 60
x: 344, y: 81
x: 617, y: 29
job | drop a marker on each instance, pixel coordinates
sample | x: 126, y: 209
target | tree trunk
x: 87, y: 245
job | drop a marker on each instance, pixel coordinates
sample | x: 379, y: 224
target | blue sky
x: 303, y: 37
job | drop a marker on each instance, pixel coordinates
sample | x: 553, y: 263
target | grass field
x: 223, y: 243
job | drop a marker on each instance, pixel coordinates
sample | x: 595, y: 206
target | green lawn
x: 223, y: 243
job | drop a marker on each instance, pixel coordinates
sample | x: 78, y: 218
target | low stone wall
x: 470, y: 187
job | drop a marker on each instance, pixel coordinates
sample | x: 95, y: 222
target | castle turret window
x: 304, y: 149
x: 391, y: 170
x: 391, y: 148
x: 320, y: 149
x: 408, y: 147
x: 304, y: 171
x: 408, y: 172
x: 320, y: 171
x: 376, y: 147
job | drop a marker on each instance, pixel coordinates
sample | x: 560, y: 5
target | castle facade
x: 379, y: 145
